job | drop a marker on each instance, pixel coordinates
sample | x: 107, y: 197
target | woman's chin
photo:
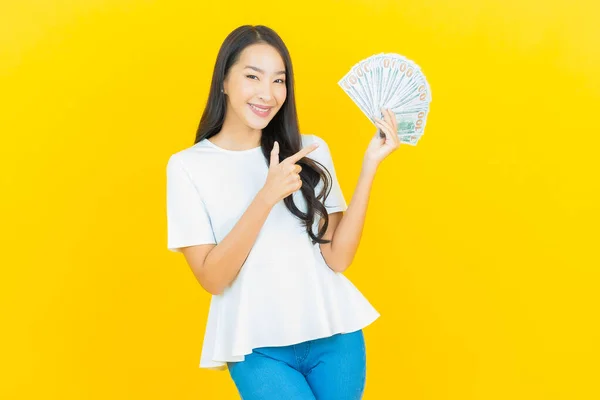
x: 252, y: 123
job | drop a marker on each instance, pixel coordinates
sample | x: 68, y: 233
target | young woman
x: 257, y: 211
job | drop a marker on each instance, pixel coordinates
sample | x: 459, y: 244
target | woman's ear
x: 224, y: 88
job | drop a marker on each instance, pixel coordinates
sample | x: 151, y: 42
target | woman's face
x: 255, y: 86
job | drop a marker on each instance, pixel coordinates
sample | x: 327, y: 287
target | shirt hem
x: 221, y: 365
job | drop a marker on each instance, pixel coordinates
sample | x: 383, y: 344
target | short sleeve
x: 335, y: 202
x: 188, y: 222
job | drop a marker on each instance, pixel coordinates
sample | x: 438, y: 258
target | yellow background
x: 480, y: 244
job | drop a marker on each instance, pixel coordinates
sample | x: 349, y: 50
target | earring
x: 222, y: 91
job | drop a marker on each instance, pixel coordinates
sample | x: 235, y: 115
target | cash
x: 389, y: 80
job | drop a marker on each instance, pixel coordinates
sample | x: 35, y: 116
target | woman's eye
x: 254, y: 76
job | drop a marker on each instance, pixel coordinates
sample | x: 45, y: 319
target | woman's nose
x: 266, y: 92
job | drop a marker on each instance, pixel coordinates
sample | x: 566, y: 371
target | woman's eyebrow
x: 261, y: 71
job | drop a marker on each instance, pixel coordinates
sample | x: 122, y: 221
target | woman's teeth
x: 261, y: 112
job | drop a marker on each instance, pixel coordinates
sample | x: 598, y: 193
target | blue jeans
x: 331, y: 368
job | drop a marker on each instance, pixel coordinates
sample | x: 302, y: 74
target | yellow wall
x: 479, y: 244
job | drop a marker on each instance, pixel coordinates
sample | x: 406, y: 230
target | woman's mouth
x: 260, y: 111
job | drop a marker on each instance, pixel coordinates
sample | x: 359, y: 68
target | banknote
x: 391, y: 81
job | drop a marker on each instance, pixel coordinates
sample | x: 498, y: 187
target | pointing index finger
x: 303, y: 152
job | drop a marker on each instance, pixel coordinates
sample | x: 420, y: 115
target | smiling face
x: 255, y: 86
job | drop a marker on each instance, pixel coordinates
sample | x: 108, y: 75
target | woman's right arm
x: 215, y: 266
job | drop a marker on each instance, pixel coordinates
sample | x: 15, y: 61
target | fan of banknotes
x: 389, y: 80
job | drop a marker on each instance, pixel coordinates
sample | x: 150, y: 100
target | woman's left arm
x: 345, y: 228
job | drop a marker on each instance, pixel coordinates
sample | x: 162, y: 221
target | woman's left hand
x: 379, y: 147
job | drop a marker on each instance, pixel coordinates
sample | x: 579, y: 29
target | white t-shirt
x: 285, y: 293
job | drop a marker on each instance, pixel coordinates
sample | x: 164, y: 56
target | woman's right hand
x: 284, y: 177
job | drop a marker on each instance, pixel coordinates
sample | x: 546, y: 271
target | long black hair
x: 283, y: 128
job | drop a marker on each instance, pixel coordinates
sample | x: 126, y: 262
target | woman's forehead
x: 263, y: 57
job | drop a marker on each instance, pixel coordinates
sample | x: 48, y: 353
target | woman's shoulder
x: 322, y: 152
x: 187, y: 155
x: 310, y: 138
